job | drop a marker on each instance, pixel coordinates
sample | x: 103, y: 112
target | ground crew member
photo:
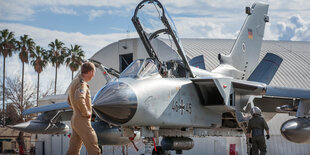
x: 256, y: 126
x: 79, y: 99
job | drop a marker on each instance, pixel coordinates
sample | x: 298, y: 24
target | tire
x: 160, y: 151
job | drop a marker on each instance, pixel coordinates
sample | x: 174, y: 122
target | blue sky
x: 93, y: 24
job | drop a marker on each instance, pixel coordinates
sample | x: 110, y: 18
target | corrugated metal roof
x: 293, y: 72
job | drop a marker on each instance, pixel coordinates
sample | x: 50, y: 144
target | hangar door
x: 124, y: 61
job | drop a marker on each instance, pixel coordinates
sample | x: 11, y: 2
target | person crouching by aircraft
x: 256, y: 126
x: 79, y: 99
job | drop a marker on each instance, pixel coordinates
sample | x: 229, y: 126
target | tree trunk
x: 55, y: 81
x: 123, y: 150
x: 3, y: 97
x: 38, y: 89
x: 21, y: 142
x: 22, y: 93
x: 126, y: 149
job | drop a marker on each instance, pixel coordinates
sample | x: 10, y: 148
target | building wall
x: 277, y: 145
x: 13, y: 145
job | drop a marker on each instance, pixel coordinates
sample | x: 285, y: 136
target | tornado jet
x: 179, y: 99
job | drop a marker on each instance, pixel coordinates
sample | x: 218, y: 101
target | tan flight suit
x: 257, y: 124
x: 79, y: 99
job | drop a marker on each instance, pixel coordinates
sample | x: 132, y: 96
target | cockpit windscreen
x: 141, y: 68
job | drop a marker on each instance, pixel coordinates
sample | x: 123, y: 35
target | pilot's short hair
x: 87, y: 67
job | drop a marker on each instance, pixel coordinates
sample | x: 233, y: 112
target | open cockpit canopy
x: 152, y: 21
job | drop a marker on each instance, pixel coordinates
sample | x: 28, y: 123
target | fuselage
x: 155, y: 101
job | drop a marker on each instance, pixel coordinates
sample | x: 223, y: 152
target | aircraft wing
x: 277, y: 99
x: 255, y: 88
x: 46, y: 108
x: 220, y: 91
x: 49, y: 121
x: 273, y: 91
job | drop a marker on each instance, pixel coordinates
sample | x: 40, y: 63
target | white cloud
x: 90, y: 43
x: 201, y: 28
x: 20, y: 10
x: 15, y: 11
x: 25, y: 9
x: 95, y: 13
x: 206, y: 7
x: 195, y: 6
x: 218, y: 19
x: 118, y: 29
x: 94, y: 3
x: 295, y: 28
x: 270, y: 33
x: 60, y: 10
x: 213, y: 13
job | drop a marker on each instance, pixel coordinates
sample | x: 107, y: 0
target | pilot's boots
x: 82, y: 131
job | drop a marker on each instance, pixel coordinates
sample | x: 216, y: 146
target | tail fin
x: 266, y: 69
x: 244, y: 55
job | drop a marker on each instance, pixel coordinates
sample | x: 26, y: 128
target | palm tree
x: 7, y: 46
x: 75, y: 57
x: 57, y: 55
x: 39, y: 62
x: 26, y: 46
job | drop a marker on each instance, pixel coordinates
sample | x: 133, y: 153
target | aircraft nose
x: 115, y: 103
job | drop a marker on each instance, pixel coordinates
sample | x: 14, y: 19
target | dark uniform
x: 257, y: 124
x: 79, y: 99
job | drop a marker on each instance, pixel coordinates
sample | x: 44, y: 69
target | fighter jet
x: 178, y: 99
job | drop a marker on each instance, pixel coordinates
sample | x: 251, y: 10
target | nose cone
x: 22, y: 126
x: 115, y: 103
x: 296, y: 130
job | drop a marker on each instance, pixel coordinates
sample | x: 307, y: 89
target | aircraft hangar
x: 293, y: 72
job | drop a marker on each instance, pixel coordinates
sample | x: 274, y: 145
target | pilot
x: 256, y: 126
x: 79, y: 99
